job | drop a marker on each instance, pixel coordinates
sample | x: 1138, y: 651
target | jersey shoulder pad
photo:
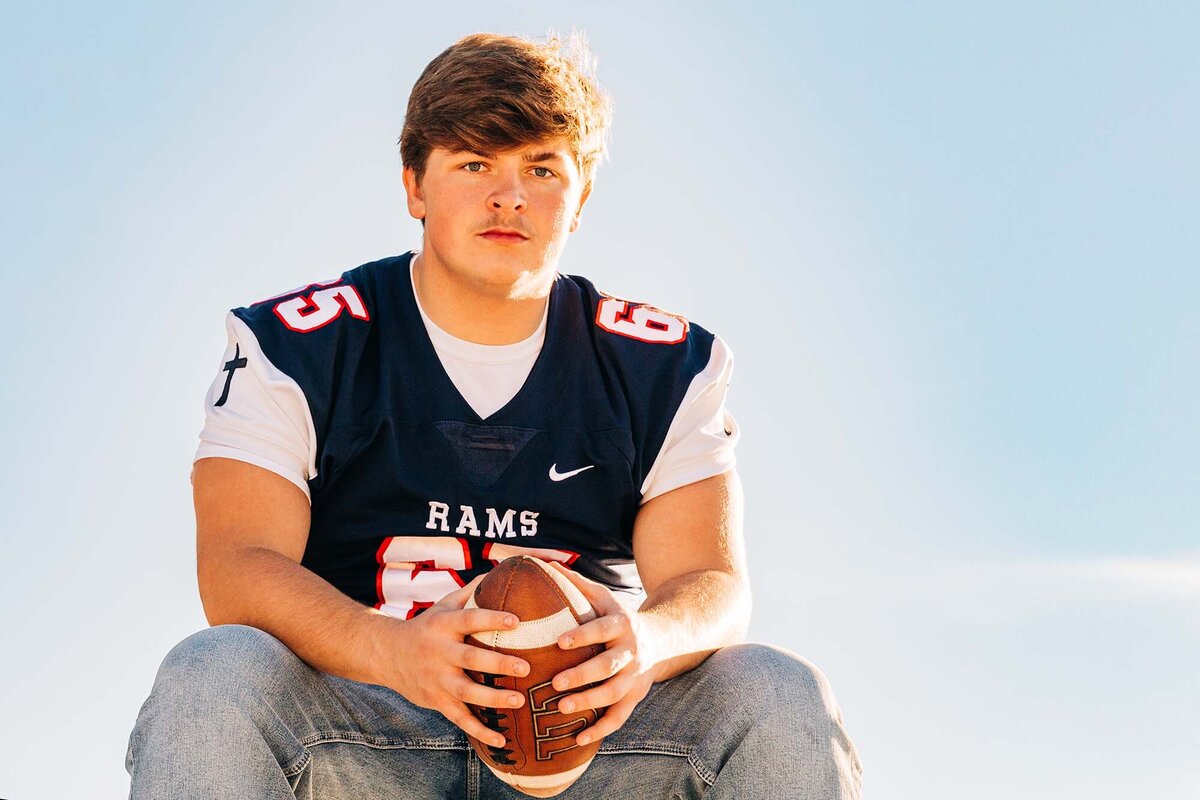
x: 316, y: 334
x: 658, y: 359
x: 640, y: 336
x: 315, y: 306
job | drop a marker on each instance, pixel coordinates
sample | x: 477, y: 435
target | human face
x: 533, y: 194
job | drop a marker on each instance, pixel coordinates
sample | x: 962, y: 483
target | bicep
x: 256, y: 413
x: 693, y: 528
x: 240, y: 506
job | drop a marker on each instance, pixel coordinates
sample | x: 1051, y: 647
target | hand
x: 430, y: 654
x: 624, y: 671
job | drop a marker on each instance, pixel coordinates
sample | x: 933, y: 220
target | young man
x: 375, y: 443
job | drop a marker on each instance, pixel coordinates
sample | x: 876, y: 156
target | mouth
x: 504, y: 236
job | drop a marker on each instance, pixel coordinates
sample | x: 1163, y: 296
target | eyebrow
x: 542, y: 157
x: 528, y: 157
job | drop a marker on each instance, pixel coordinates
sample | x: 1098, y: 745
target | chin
x: 512, y: 273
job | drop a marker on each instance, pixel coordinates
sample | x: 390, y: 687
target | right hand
x: 428, y: 663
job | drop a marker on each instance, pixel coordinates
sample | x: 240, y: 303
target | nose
x: 507, y: 196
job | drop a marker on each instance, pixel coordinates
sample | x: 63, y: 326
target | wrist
x: 381, y: 639
x: 652, y: 637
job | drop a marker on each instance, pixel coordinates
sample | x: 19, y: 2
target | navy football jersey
x: 412, y: 492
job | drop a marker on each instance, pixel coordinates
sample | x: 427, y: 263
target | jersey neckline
x: 446, y: 342
x: 546, y: 378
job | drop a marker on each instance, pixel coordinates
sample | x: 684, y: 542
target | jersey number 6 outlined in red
x: 417, y: 571
x: 644, y: 323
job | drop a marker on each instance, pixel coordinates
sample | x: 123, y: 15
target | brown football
x: 539, y: 756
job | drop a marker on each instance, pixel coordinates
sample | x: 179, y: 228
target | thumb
x: 458, y: 598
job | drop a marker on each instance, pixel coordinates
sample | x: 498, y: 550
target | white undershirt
x: 486, y: 375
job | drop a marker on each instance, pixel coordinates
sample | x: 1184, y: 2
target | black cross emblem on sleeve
x: 230, y: 366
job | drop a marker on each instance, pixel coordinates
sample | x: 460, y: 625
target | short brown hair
x: 489, y: 93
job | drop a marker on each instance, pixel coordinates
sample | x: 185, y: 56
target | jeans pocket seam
x: 297, y: 766
x: 660, y: 748
x: 702, y: 770
x: 648, y: 746
x: 382, y: 742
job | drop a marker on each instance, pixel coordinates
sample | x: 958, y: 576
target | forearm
x: 691, y: 615
x: 259, y: 587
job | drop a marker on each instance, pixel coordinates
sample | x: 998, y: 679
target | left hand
x: 623, y: 672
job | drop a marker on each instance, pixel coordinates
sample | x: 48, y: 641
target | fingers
x: 595, y: 670
x: 601, y: 630
x: 450, y: 612
x: 477, y: 620
x: 619, y: 697
x: 602, y: 696
x: 478, y: 659
x: 613, y: 718
x: 465, y: 690
x: 461, y: 716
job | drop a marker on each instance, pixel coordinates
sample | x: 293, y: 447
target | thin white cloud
x: 975, y: 591
x: 1173, y: 578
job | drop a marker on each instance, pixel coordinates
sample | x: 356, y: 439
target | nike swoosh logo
x: 555, y: 475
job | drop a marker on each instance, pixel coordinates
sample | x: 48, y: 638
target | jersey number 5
x: 303, y: 314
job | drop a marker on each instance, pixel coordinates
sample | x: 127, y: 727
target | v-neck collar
x: 541, y: 386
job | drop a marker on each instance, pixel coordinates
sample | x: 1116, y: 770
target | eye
x: 471, y: 165
x: 548, y: 173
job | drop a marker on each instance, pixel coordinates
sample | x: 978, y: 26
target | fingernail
x: 510, y: 621
x: 520, y: 669
x: 583, y: 738
x: 567, y: 641
x: 566, y: 705
x: 498, y: 741
x: 562, y: 683
x: 514, y: 700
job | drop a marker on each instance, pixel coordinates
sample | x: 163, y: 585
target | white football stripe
x: 578, y: 601
x: 530, y: 633
x: 562, y: 779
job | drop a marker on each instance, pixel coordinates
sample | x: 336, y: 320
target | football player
x: 376, y: 442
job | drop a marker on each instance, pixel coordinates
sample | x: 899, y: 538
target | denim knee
x: 763, y: 672
x: 227, y: 670
x: 771, y: 682
x: 224, y: 658
x: 221, y: 685
x: 776, y: 691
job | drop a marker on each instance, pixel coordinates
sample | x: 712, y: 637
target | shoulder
x: 317, y: 334
x: 325, y: 306
x: 641, y: 337
x: 673, y: 375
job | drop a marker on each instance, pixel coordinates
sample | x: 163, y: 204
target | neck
x: 480, y: 314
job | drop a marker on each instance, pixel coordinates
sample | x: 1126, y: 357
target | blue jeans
x: 235, y: 714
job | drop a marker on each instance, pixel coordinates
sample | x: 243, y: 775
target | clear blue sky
x: 953, y: 247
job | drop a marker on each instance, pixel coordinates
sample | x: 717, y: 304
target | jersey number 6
x: 644, y: 323
x: 417, y: 571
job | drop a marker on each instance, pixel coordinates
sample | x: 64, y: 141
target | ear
x: 583, y: 196
x: 416, y: 198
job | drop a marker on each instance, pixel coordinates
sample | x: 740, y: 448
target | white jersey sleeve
x: 702, y: 435
x: 255, y: 413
